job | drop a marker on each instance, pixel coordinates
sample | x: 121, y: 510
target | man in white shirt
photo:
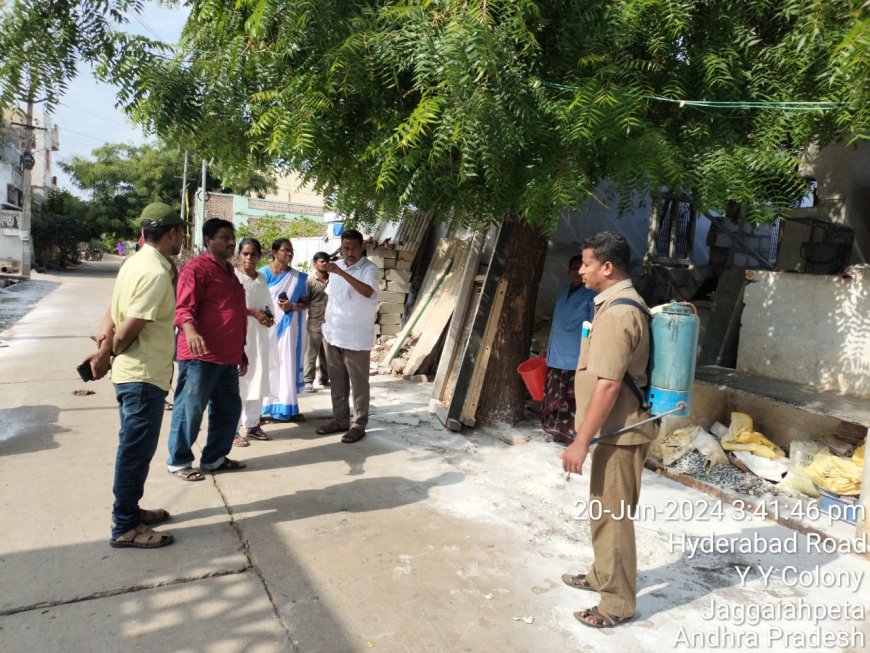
x: 348, y: 333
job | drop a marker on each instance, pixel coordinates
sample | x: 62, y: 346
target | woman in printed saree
x: 254, y: 386
x: 573, y: 307
x: 287, y: 339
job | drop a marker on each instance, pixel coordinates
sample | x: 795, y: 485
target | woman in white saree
x: 254, y: 386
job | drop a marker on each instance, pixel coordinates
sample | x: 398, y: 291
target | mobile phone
x: 282, y: 296
x: 85, y: 371
x: 268, y: 312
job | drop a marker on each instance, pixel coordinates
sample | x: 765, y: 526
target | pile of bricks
x: 393, y: 287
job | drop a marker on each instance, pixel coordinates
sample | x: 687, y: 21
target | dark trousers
x: 202, y: 385
x: 140, y: 406
x: 349, y: 371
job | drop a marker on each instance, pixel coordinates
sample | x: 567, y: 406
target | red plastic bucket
x: 534, y: 373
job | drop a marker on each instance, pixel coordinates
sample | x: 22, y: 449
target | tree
x: 63, y: 221
x: 504, y: 111
x: 268, y: 228
x: 122, y: 179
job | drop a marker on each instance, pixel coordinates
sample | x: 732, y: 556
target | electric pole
x: 183, y: 214
x: 27, y: 162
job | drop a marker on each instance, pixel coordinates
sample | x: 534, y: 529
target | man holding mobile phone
x: 138, y: 331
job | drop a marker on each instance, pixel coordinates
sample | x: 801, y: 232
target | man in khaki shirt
x: 617, y: 344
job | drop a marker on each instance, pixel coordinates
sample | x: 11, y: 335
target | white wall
x: 808, y: 328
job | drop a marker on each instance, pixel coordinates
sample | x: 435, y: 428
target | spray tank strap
x: 627, y: 380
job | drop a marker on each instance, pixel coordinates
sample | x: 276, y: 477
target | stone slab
x: 391, y: 308
x: 398, y: 275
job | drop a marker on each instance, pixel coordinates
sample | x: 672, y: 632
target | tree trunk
x: 504, y: 394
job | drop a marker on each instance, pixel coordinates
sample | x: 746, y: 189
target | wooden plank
x: 402, y: 336
x: 431, y: 325
x: 471, y: 347
x: 458, y: 321
x: 412, y: 230
x: 438, y: 266
x: 472, y: 398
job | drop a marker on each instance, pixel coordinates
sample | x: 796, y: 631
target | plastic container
x: 534, y: 375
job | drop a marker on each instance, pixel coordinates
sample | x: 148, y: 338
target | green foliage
x: 483, y: 108
x: 44, y: 41
x: 269, y: 228
x: 63, y: 221
x: 122, y: 179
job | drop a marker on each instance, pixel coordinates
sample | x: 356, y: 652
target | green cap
x: 158, y: 214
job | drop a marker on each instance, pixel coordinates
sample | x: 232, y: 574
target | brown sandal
x: 599, y: 618
x: 240, y: 441
x: 578, y: 582
x: 142, y: 537
x: 354, y: 434
x: 332, y: 426
x: 151, y: 517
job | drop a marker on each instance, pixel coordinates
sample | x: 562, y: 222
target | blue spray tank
x: 673, y: 351
x: 674, y: 331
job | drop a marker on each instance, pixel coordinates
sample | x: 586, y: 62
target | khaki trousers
x: 349, y: 371
x: 314, y: 347
x: 614, y: 490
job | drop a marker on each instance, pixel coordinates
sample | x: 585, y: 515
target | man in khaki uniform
x: 618, y: 343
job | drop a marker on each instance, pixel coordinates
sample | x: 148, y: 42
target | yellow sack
x: 835, y: 474
x: 858, y: 456
x: 741, y: 437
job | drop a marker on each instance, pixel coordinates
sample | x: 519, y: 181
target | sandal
x: 240, y: 441
x: 599, y: 618
x: 167, y: 405
x: 332, y: 426
x: 188, y: 474
x: 354, y: 434
x: 142, y: 537
x: 149, y: 517
x: 257, y: 433
x: 229, y: 465
x: 578, y: 582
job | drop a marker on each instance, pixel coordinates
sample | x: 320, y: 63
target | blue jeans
x: 202, y: 384
x: 140, y: 406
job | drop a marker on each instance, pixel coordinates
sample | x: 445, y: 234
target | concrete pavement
x: 415, y: 539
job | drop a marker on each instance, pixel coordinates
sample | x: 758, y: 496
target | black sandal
x: 188, y: 474
x: 257, y: 433
x: 229, y: 465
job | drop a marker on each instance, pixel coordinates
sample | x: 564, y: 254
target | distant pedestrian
x: 349, y: 333
x: 254, y: 386
x: 573, y: 308
x: 212, y: 319
x: 287, y: 340
x: 137, y: 328
x: 610, y: 371
x: 316, y: 313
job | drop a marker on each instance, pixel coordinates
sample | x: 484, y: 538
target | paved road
x: 415, y: 539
